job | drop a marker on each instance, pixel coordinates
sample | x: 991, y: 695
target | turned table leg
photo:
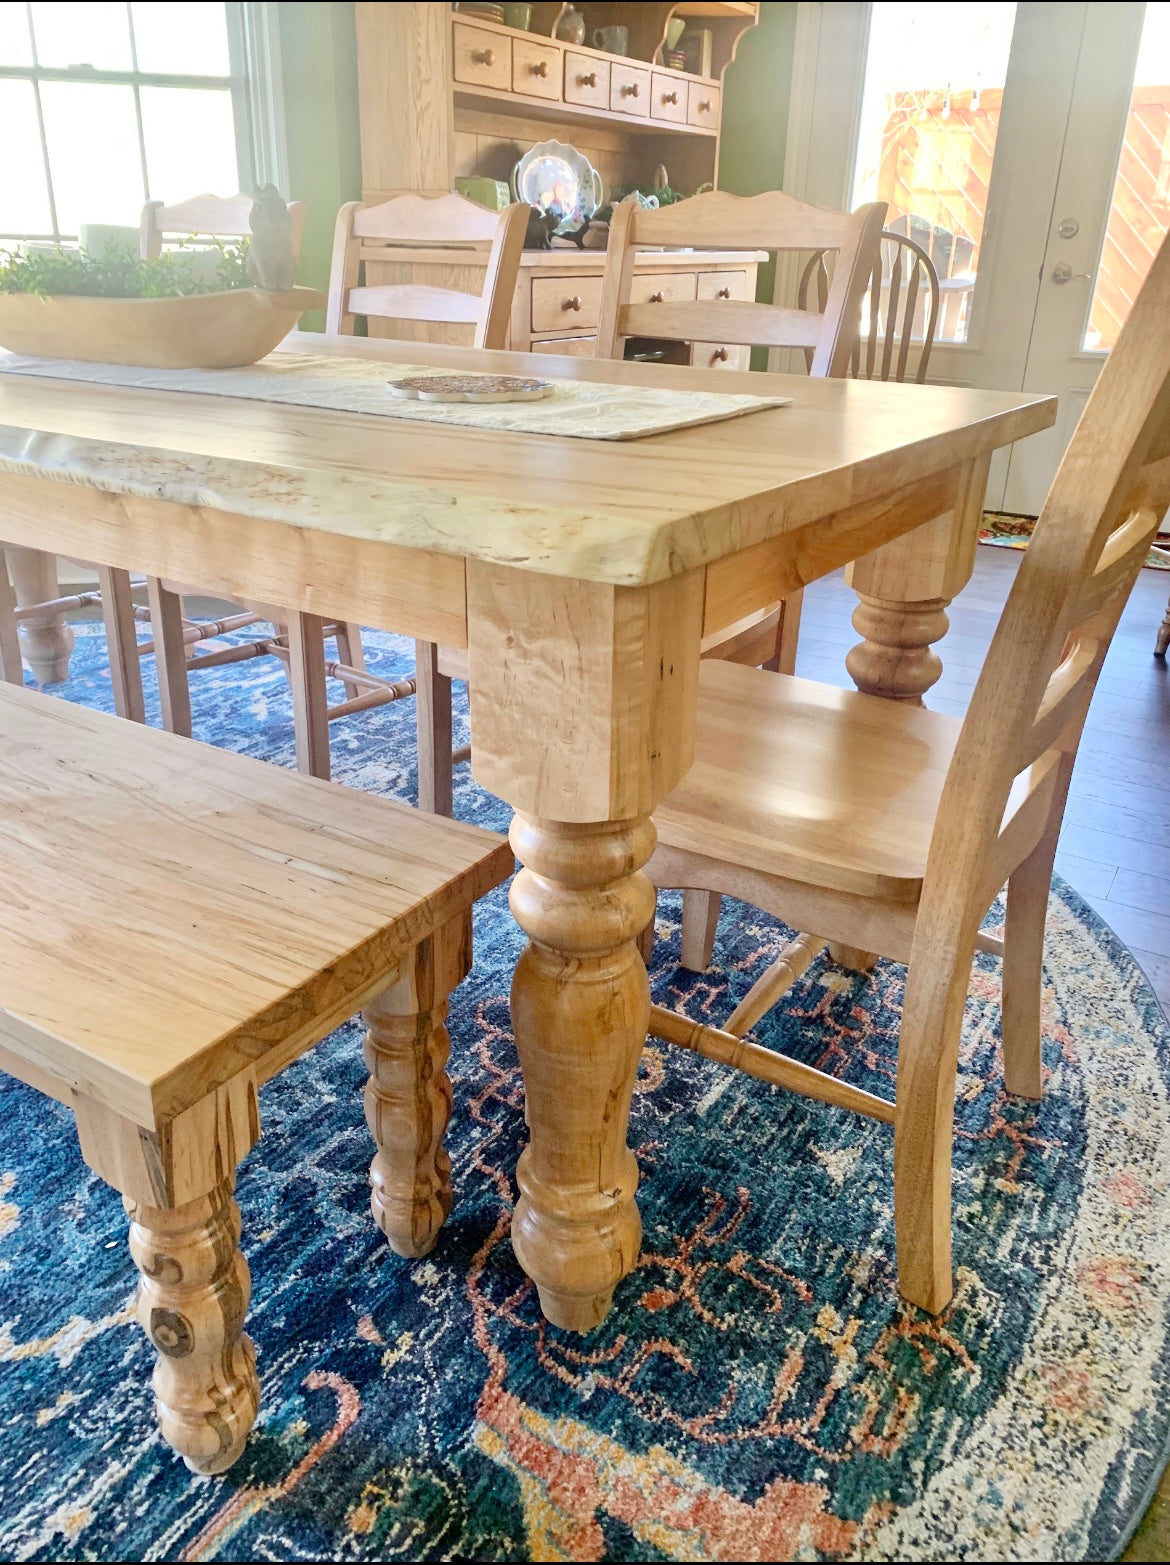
x: 46, y: 639
x: 580, y: 1009
x: 408, y: 1095
x: 193, y: 1295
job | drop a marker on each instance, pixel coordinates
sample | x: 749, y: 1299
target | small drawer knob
x: 587, y: 81
x: 705, y: 106
x: 540, y: 68
x: 572, y: 304
x: 656, y: 298
x: 724, y: 293
x: 483, y: 56
x: 720, y: 356
x: 630, y: 90
x: 670, y: 97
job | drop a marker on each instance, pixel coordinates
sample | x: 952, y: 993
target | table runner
x: 587, y: 410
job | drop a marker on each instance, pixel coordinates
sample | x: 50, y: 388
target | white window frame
x: 253, y: 82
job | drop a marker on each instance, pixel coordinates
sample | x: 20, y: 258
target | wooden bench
x: 202, y: 920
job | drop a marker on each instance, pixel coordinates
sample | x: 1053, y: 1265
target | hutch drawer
x: 629, y: 90
x: 702, y: 105
x: 668, y: 99
x: 482, y: 58
x: 536, y: 69
x: 565, y: 303
x: 586, y: 81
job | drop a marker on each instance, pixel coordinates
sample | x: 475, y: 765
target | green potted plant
x: 179, y: 310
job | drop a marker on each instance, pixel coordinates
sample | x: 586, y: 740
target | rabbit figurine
x: 271, y: 263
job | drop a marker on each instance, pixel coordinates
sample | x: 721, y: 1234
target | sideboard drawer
x: 703, y: 105
x: 586, y: 81
x: 723, y: 285
x: 575, y: 347
x: 536, y: 69
x: 668, y: 99
x: 720, y: 356
x: 629, y: 90
x: 662, y: 287
x: 482, y: 58
x: 566, y: 303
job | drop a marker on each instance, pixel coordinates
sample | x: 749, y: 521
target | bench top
x: 172, y: 913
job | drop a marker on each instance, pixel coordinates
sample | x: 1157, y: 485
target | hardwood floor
x: 1115, y: 847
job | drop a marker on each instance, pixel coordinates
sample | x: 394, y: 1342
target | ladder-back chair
x: 393, y: 232
x: 892, y: 829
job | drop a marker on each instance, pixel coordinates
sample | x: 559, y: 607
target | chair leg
x: 787, y: 634
x: 11, y: 665
x: 351, y: 652
x: 122, y: 642
x: 1163, y: 640
x: 928, y: 1050
x: 1023, y: 957
x: 433, y: 715
x: 408, y: 1094
x: 700, y: 915
x: 170, y: 657
x: 306, y: 674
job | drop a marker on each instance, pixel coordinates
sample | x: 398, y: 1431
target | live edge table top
x: 625, y: 513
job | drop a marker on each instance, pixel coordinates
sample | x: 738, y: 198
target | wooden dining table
x: 581, y: 576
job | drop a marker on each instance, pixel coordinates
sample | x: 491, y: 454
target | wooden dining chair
x: 1162, y: 640
x: 299, y: 641
x: 892, y: 828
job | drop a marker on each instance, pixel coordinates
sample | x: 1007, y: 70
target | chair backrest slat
x: 226, y: 217
x: 1033, y: 694
x: 772, y: 221
x: 398, y: 229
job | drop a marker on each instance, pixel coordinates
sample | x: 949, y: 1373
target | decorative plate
x: 554, y: 176
x: 470, y: 388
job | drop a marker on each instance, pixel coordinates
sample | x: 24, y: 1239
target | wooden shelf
x: 698, y: 8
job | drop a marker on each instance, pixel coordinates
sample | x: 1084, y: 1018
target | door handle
x: 1063, y: 273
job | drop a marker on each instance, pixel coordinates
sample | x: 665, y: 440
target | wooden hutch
x: 444, y: 94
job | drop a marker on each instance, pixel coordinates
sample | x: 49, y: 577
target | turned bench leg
x: 408, y: 1095
x: 193, y: 1283
x: 193, y: 1292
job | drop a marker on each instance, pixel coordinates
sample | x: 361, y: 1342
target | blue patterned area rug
x: 759, y: 1391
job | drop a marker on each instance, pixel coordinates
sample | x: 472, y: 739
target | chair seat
x: 171, y: 914
x: 806, y: 782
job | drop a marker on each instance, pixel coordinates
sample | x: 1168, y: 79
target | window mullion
x: 138, y: 103
x: 36, y: 87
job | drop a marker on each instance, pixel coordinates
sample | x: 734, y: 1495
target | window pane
x: 190, y: 143
x: 24, y: 203
x: 94, y: 33
x: 15, y: 48
x: 94, y: 162
x: 1140, y: 212
x: 930, y: 113
x: 181, y: 39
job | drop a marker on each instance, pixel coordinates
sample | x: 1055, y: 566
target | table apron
x: 412, y: 591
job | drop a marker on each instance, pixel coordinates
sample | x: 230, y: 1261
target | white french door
x: 1027, y: 146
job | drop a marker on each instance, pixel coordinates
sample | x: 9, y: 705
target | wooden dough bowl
x: 199, y: 331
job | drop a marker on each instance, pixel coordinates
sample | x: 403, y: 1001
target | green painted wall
x: 756, y: 91
x: 319, y: 72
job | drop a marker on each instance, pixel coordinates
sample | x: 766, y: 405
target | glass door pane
x: 1139, y: 214
x: 929, y: 118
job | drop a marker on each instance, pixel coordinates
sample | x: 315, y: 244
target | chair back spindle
x: 902, y: 295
